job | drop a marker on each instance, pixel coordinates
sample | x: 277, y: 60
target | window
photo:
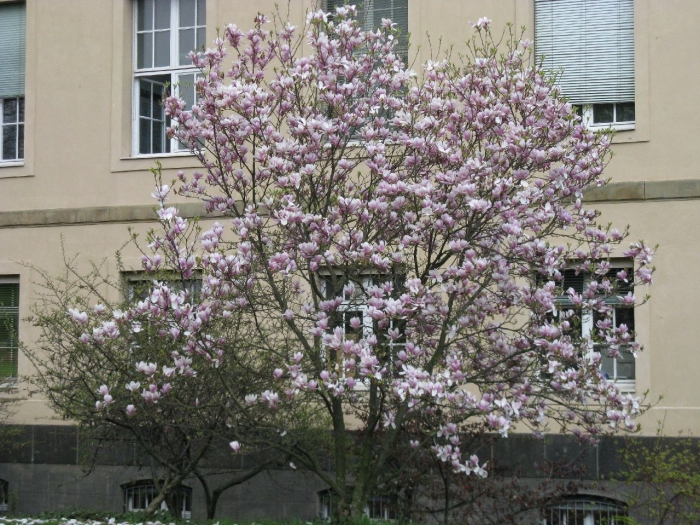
x: 139, y: 285
x: 139, y: 495
x: 166, y: 32
x: 12, y: 53
x: 371, y: 12
x: 590, y: 45
x: 380, y: 508
x: 353, y: 318
x: 9, y: 325
x: 622, y: 367
x: 377, y: 508
x: 4, y: 496
x: 586, y: 510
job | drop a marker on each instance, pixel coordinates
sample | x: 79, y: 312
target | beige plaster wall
x: 78, y: 155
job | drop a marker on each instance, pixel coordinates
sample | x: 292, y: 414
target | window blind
x: 12, y: 49
x: 592, y: 41
x: 9, y: 324
x: 371, y: 12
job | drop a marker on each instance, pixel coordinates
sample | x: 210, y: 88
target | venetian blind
x: 592, y: 41
x: 12, y: 49
x: 9, y: 323
x: 371, y: 12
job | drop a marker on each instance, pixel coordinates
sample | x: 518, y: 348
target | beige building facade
x: 88, y: 144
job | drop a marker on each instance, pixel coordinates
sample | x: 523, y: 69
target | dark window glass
x: 9, y: 110
x: 9, y: 142
x: 625, y: 112
x: 603, y: 113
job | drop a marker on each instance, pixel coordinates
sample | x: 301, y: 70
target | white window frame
x: 174, y: 71
x: 587, y: 119
x: 18, y: 125
x: 356, y: 303
x: 588, y: 326
x: 193, y: 284
x: 591, y: 48
x: 12, y: 73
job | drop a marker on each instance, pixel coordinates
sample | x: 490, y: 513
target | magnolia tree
x: 181, y: 429
x: 398, y: 241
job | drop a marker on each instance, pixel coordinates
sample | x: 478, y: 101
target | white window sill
x: 160, y: 155
x: 626, y: 386
x: 11, y: 164
x: 612, y: 127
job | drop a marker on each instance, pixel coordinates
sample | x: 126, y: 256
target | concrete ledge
x: 95, y: 215
x: 646, y: 191
x: 616, y: 191
x: 613, y: 192
x: 672, y: 189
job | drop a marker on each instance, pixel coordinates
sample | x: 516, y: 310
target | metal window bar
x: 586, y: 512
x: 139, y: 497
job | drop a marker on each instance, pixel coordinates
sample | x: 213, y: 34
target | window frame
x: 358, y: 303
x: 193, y: 285
x: 147, y: 490
x: 18, y: 124
x: 171, y: 146
x: 12, y: 380
x: 617, y: 40
x: 15, y: 47
x: 596, y: 510
x: 586, y: 114
x: 385, y: 505
x: 587, y: 325
x: 368, y: 7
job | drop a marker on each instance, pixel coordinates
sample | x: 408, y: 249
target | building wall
x: 80, y: 186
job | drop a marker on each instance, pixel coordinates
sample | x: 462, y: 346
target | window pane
x: 603, y: 113
x: 625, y: 112
x: 201, y: 12
x: 625, y: 316
x: 8, y: 328
x: 157, y: 109
x: 8, y: 362
x: 144, y: 136
x: 9, y: 110
x: 144, y: 50
x: 158, y: 137
x: 144, y: 15
x: 186, y: 88
x: 20, y: 142
x: 607, y: 364
x: 186, y: 45
x: 145, y: 98
x: 625, y: 365
x: 162, y: 14
x: 21, y: 109
x: 201, y: 38
x: 353, y: 334
x: 162, y: 54
x: 187, y: 13
x: 9, y: 142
